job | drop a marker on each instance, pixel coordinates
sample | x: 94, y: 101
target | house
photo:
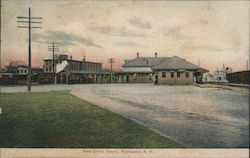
x: 21, y: 70
x: 139, y: 69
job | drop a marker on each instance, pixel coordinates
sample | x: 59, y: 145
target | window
x: 178, y: 74
x: 163, y: 74
x: 172, y: 74
x: 187, y: 74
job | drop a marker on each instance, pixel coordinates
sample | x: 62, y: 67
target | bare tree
x: 14, y: 64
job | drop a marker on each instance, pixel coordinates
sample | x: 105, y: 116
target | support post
x: 29, y: 68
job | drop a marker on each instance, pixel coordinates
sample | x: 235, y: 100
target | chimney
x: 83, y: 58
x: 71, y: 57
x: 156, y: 55
x: 137, y: 54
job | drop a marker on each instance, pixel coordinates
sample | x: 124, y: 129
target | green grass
x: 57, y: 119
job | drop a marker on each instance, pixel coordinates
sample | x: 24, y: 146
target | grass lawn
x: 58, y: 119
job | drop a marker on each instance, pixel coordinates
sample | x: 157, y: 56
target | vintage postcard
x: 125, y: 79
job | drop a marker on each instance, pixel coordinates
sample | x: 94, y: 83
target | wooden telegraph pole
x: 111, y: 61
x: 53, y: 48
x: 29, y: 20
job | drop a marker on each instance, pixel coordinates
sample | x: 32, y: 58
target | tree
x: 11, y: 68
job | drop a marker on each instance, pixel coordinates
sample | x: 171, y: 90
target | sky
x: 210, y: 32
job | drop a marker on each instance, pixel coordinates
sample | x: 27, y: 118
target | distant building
x: 36, y: 71
x: 163, y: 70
x: 240, y: 77
x: 139, y: 69
x: 74, y: 71
x: 220, y: 76
x: 73, y: 65
x: 18, y: 75
x: 175, y: 70
x: 6, y: 78
x: 208, y: 78
x: 21, y: 70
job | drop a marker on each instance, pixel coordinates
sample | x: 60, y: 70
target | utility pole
x: 0, y: 40
x: 52, y: 49
x: 111, y: 61
x: 29, y: 20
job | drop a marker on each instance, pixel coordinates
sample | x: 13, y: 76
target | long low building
x: 176, y: 70
x: 163, y: 70
x: 240, y: 77
x: 73, y: 71
x: 74, y: 65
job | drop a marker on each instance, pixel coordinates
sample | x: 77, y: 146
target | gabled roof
x: 144, y: 61
x: 23, y: 66
x: 174, y: 63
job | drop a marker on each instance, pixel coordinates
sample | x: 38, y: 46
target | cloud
x: 127, y: 44
x: 139, y: 23
x: 118, y: 31
x: 211, y: 48
x: 67, y: 3
x: 175, y: 33
x: 63, y: 39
